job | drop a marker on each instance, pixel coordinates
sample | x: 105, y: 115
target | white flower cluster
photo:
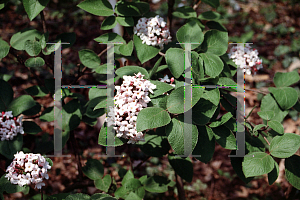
x: 131, y: 98
x: 247, y: 59
x: 153, y: 31
x: 9, y: 128
x: 28, y: 168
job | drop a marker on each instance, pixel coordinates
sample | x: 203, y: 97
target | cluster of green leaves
x: 131, y: 189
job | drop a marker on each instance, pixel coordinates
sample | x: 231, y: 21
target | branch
x: 142, y: 162
x: 196, y: 5
x: 75, y: 149
x: 79, y: 76
x: 162, y: 54
x: 44, y: 21
x: 22, y: 62
x: 257, y: 91
x: 179, y: 185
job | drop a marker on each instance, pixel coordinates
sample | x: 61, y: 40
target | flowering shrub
x: 131, y: 98
x: 153, y: 31
x: 10, y: 127
x: 148, y: 110
x: 28, y: 168
x: 246, y: 58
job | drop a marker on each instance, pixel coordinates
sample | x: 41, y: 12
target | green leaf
x: 129, y: 175
x: 151, y: 117
x: 126, y: 49
x: 257, y: 163
x: 285, y: 146
x: 158, y: 184
x: 38, y: 91
x: 109, y: 23
x: 103, y: 184
x: 258, y: 127
x: 125, y: 8
x: 269, y: 103
x: 215, y: 42
x: 143, y: 7
x: 31, y: 127
x: 190, y: 33
x: 34, y: 62
x: 101, y: 104
x: 12, y: 188
x: 216, y: 26
x: 78, y: 196
x: 185, y: 12
x: 133, y: 196
x: 175, y: 102
x: 160, y: 102
x: 236, y: 163
x: 176, y: 131
x: 276, y: 126
x: 33, y: 110
x: 6, y: 95
x: 103, y: 137
x: 144, y: 52
x: 182, y: 166
x: 203, y: 111
x: 213, y: 65
x: 125, y: 21
x: 212, y: 3
x: 286, y: 97
x: 2, y: 5
x: 20, y: 104
x: 4, y: 48
x: 49, y: 161
x: 175, y: 60
x: 71, y: 115
x: 225, y: 137
x: 292, y: 172
x: 34, y: 7
x: 161, y: 88
x: 90, y: 108
x: 273, y: 175
x: 100, y: 196
x: 205, y: 145
x: 47, y: 115
x: 282, y: 79
x: 33, y: 47
x: 18, y: 40
x: 89, y: 58
x: 131, y: 70
x: 223, y: 120
x: 97, y: 7
x: 210, y: 15
x: 135, y: 186
x: 154, y: 145
x: 224, y: 81
x: 10, y: 147
x: 110, y: 38
x: 266, y: 115
x: 93, y: 169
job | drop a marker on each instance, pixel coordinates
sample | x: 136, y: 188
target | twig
x: 42, y: 198
x: 102, y: 52
x: 170, y: 16
x: 136, y: 167
x: 162, y: 54
x: 75, y: 148
x: 79, y: 76
x: 179, y: 185
x: 196, y: 5
x: 22, y: 62
x: 44, y: 21
x: 265, y: 139
x: 257, y: 91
